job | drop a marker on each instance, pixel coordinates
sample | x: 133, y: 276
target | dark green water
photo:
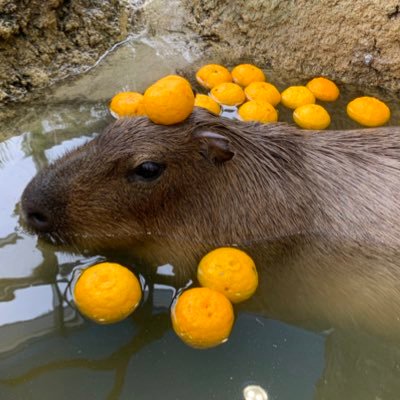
x: 48, y: 351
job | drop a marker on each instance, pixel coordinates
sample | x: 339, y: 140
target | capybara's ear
x: 214, y: 146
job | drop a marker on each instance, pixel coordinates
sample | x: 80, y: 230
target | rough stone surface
x: 42, y: 41
x: 350, y: 41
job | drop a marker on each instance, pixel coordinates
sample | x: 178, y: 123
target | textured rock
x: 42, y: 41
x: 348, y: 40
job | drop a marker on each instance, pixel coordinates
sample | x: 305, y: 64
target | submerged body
x: 319, y: 212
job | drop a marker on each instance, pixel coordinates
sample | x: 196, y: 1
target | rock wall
x: 355, y: 41
x: 42, y: 41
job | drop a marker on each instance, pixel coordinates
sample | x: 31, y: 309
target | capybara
x: 319, y: 211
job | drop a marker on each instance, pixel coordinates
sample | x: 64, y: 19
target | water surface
x: 47, y: 350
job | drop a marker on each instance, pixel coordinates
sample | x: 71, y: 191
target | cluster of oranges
x: 170, y: 100
x: 202, y: 317
x: 244, y: 87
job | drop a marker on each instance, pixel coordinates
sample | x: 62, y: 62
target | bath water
x: 48, y: 351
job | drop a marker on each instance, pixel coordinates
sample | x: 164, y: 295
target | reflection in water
x: 138, y: 356
x: 45, y: 273
x: 359, y: 367
x: 151, y: 328
x: 9, y: 239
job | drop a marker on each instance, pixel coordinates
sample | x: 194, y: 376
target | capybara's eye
x: 146, y: 172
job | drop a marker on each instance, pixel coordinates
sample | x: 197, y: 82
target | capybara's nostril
x: 38, y: 205
x: 39, y: 221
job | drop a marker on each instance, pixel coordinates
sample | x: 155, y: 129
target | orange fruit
x: 311, y: 116
x: 244, y: 74
x: 107, y: 292
x: 169, y: 101
x: 229, y: 271
x: 212, y: 75
x: 202, y: 317
x: 204, y: 101
x: 296, y: 96
x: 228, y: 94
x: 256, y: 110
x: 368, y: 111
x: 323, y: 89
x: 263, y: 91
x: 127, y: 104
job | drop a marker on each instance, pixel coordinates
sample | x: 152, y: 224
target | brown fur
x: 319, y: 211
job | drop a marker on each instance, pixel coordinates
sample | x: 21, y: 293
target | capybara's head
x: 208, y: 181
x: 134, y: 181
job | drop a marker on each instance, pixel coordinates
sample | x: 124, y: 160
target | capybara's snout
x: 38, y: 206
x: 35, y: 214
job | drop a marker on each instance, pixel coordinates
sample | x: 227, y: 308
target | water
x: 48, y: 350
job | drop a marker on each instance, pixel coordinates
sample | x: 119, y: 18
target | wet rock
x: 43, y: 41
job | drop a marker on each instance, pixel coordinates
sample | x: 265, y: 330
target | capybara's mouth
x: 80, y: 243
x: 52, y: 238
x: 28, y: 228
x: 67, y: 243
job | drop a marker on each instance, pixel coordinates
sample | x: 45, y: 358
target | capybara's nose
x: 38, y: 220
x: 36, y: 209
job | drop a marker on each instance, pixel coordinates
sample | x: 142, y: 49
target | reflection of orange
x: 204, y: 101
x: 256, y: 110
x: 311, y: 116
x: 127, y: 104
x: 228, y: 94
x: 202, y: 317
x: 263, y: 91
x: 212, y: 75
x: 107, y: 292
x: 244, y: 74
x: 230, y: 271
x: 368, y: 111
x: 169, y: 101
x: 296, y: 96
x: 323, y: 89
